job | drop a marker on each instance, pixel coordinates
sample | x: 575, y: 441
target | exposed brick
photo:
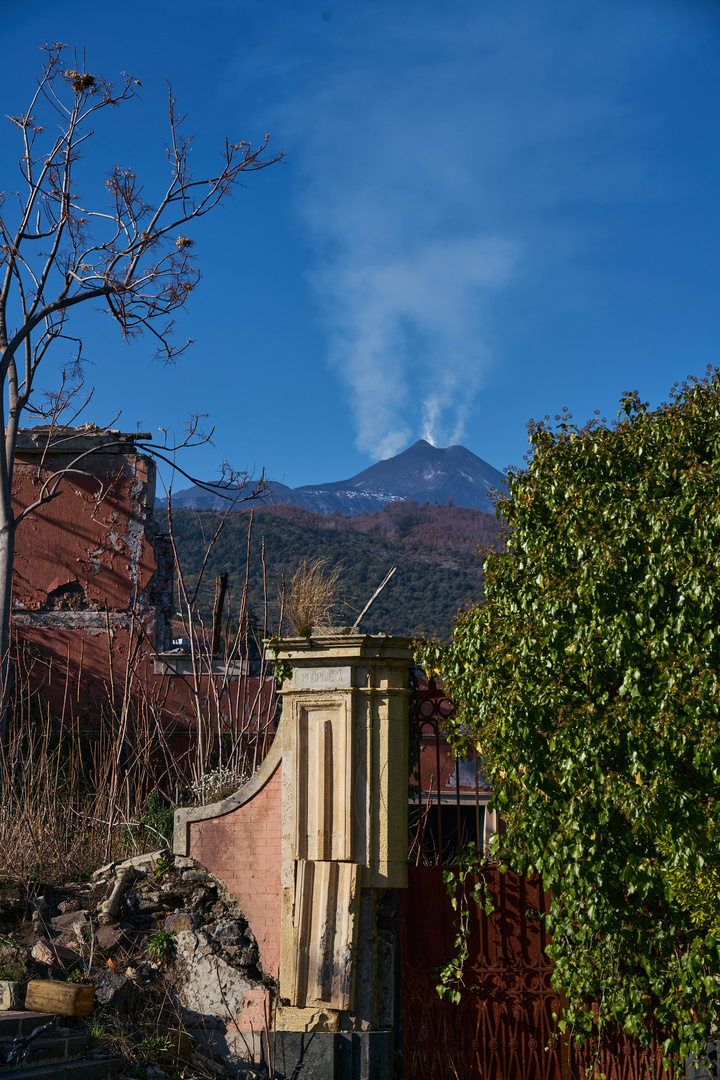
x: 243, y: 849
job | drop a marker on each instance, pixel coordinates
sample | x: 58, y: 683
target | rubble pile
x: 167, y: 948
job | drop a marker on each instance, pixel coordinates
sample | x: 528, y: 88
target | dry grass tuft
x: 312, y: 595
x: 61, y: 814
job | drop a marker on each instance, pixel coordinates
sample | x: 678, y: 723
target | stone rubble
x: 12, y: 995
x: 214, y: 966
x: 205, y: 983
x: 53, y: 954
x: 114, y: 990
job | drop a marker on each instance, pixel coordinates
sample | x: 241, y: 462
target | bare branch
x: 51, y: 488
x: 260, y: 488
x: 134, y: 256
x: 143, y: 266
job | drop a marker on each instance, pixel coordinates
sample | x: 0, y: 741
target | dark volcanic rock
x: 114, y: 990
x: 66, y: 923
x: 228, y: 932
x: 182, y: 920
x: 109, y: 938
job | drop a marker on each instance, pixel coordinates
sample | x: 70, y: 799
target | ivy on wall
x: 589, y: 681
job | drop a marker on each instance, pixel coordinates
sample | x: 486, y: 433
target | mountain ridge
x: 422, y: 472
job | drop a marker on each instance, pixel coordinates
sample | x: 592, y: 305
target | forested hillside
x: 433, y: 547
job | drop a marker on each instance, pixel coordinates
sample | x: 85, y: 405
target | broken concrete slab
x: 12, y: 995
x: 71, y: 926
x: 182, y: 862
x: 103, y: 871
x: 205, y: 985
x: 69, y: 920
x: 145, y: 863
x: 108, y: 938
x: 195, y: 875
x: 54, y: 955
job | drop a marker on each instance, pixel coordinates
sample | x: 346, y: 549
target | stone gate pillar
x: 344, y: 849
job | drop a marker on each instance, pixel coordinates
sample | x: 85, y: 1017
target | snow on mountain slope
x: 423, y: 472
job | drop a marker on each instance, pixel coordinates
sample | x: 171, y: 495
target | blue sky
x: 487, y: 211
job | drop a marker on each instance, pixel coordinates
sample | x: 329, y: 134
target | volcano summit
x: 423, y: 472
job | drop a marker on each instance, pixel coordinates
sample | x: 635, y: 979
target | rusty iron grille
x: 503, y: 1027
x: 448, y: 796
x: 503, y: 1023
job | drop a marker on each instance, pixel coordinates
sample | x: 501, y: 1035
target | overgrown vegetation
x: 88, y: 778
x: 160, y: 946
x: 72, y: 798
x: 433, y: 548
x: 464, y: 883
x: 217, y: 784
x: 590, y: 683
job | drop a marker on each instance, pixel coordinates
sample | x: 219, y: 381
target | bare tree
x: 57, y: 251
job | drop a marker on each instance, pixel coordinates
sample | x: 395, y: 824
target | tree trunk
x: 221, y: 582
x: 7, y: 551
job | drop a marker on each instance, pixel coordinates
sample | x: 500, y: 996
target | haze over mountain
x: 423, y: 472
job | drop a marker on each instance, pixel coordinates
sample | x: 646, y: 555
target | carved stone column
x: 345, y: 836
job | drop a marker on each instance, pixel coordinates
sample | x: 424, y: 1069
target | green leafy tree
x: 589, y: 681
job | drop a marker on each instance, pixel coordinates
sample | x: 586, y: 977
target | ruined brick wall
x: 89, y: 566
x: 243, y: 849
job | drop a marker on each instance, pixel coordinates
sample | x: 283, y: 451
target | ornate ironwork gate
x: 503, y: 1023
x: 503, y: 1027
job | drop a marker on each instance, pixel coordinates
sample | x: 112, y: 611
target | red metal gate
x: 503, y: 1023
x: 503, y: 1027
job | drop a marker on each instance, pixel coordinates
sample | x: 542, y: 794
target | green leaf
x: 589, y: 682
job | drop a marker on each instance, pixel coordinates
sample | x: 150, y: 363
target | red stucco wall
x: 90, y: 571
x: 243, y: 849
x: 99, y: 545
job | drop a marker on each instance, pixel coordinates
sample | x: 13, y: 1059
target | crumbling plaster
x: 98, y: 532
x: 89, y: 566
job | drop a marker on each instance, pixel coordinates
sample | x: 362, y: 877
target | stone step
x: 15, y: 1024
x: 52, y: 1048
x: 82, y: 1069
